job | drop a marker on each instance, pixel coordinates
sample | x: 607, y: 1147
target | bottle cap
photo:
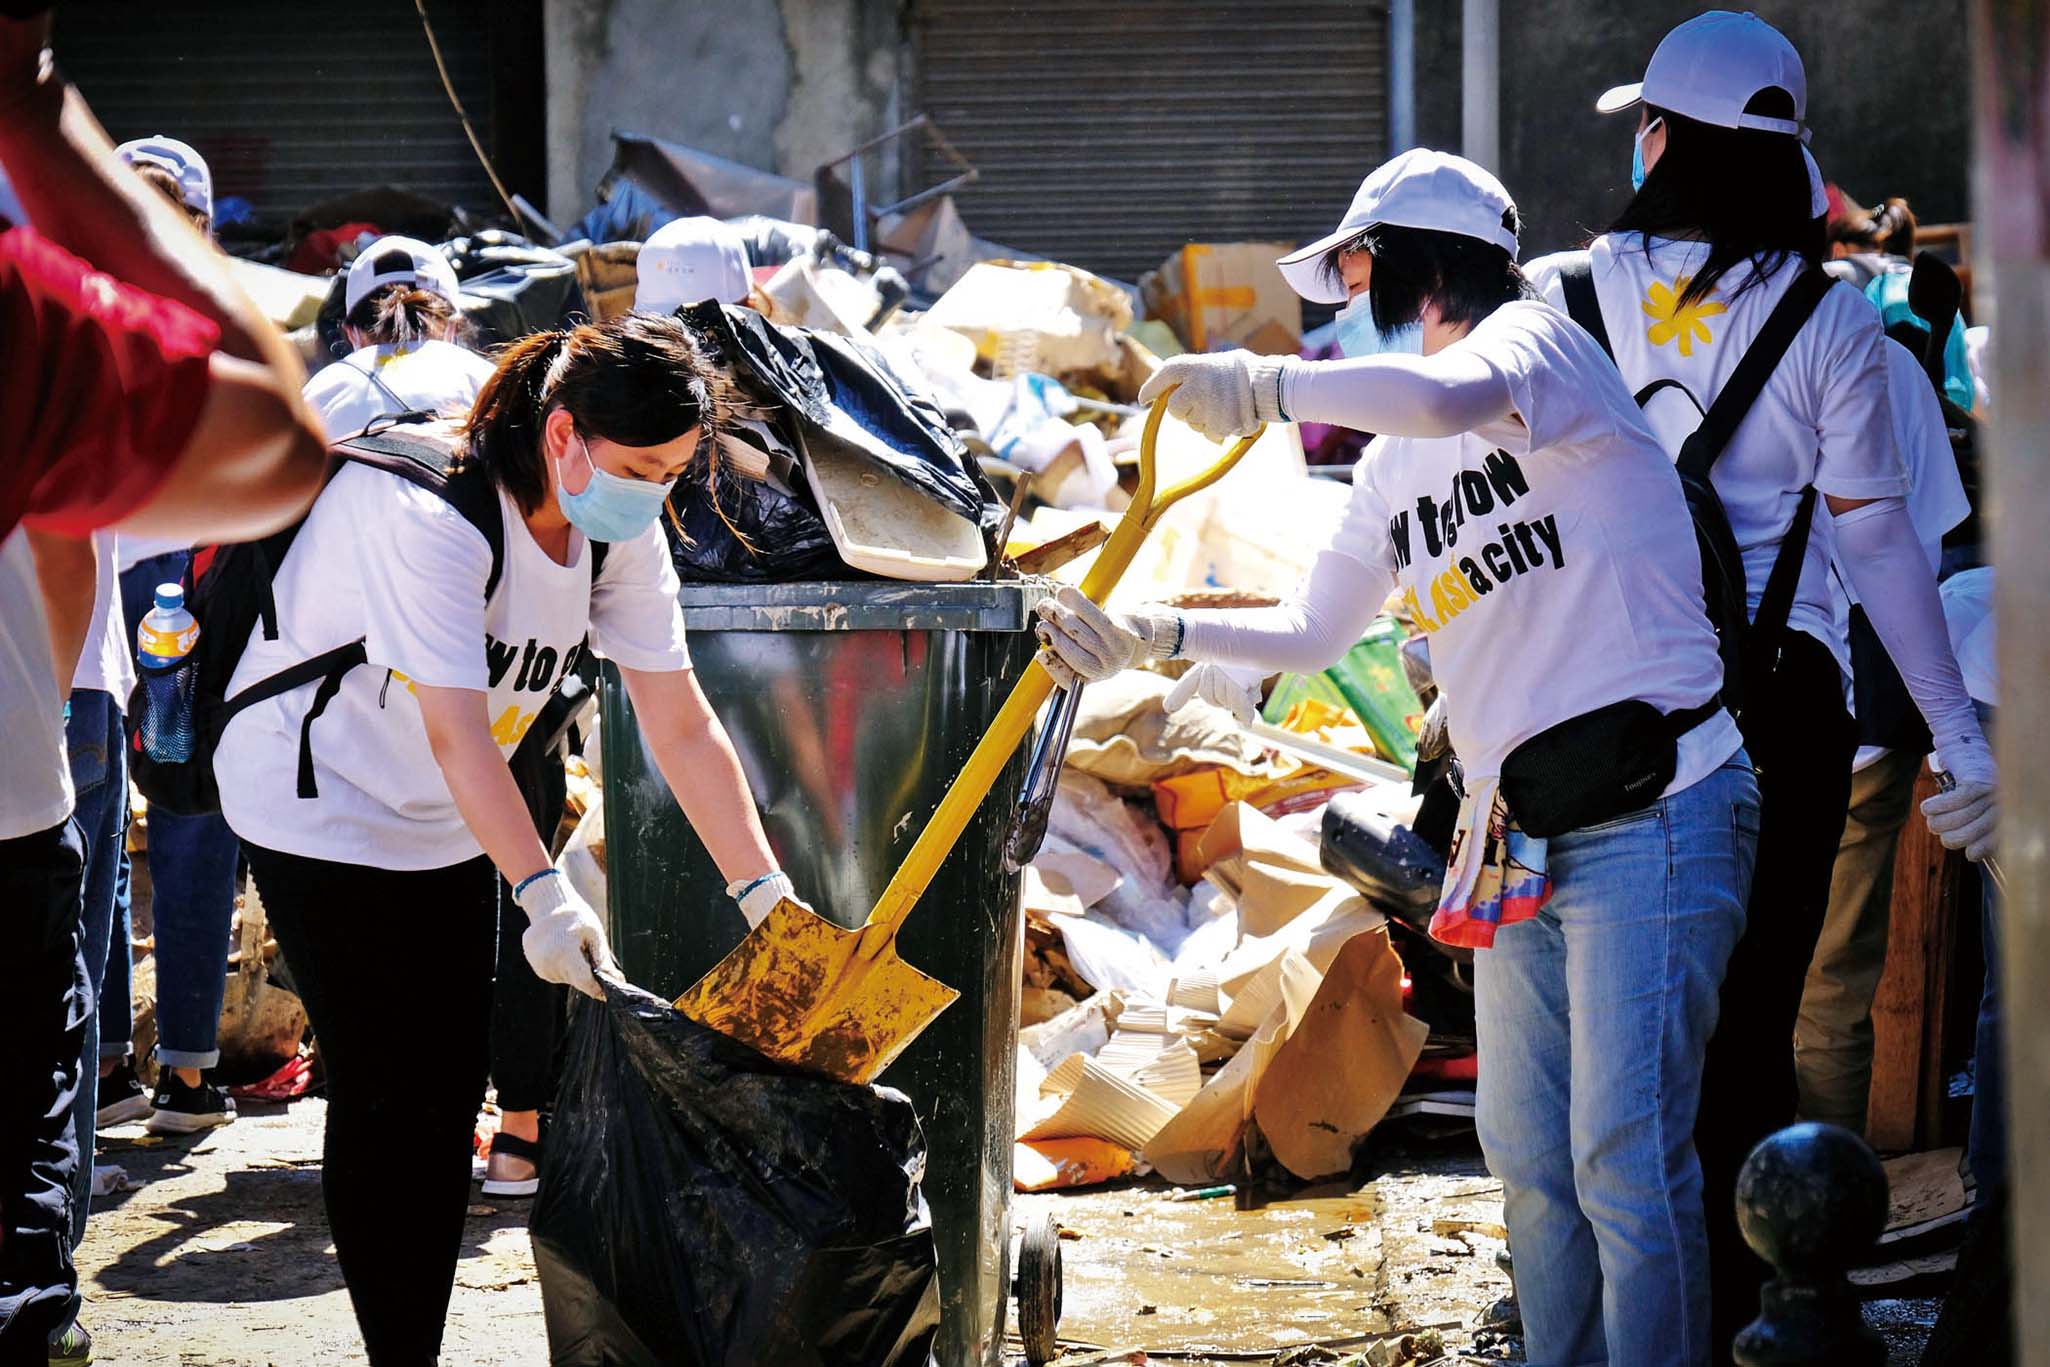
x: 170, y: 597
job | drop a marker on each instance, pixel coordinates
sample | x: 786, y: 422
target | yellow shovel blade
x: 818, y: 996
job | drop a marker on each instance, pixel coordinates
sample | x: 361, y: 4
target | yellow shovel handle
x: 1014, y: 719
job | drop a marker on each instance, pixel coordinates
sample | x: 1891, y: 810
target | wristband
x: 751, y: 885
x: 519, y: 889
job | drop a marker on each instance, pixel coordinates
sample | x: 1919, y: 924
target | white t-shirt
x: 384, y: 560
x: 107, y: 662
x: 434, y: 377
x: 1552, y: 560
x: 1822, y: 418
x: 35, y: 778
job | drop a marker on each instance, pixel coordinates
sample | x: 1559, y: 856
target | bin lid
x: 861, y: 606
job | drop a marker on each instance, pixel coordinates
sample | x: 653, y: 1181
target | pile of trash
x: 1227, y: 958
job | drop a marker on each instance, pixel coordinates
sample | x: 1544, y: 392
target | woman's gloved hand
x: 565, y: 941
x: 1220, y: 686
x: 1966, y: 816
x: 1223, y: 395
x: 1089, y: 644
x: 758, y: 896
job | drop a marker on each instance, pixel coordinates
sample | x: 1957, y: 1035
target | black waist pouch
x: 1597, y: 766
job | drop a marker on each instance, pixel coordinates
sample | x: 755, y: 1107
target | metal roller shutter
x: 1110, y: 132
x: 291, y: 104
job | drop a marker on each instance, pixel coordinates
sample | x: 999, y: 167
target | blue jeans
x: 1592, y: 1021
x: 192, y: 866
x: 94, y: 740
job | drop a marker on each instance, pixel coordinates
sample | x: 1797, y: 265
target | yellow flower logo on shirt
x: 1673, y: 321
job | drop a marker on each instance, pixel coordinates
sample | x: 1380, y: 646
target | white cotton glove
x: 1088, y: 644
x: 1222, y: 395
x: 1966, y: 817
x: 758, y: 896
x: 565, y: 940
x: 1220, y: 687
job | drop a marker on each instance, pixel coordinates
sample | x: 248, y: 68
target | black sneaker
x: 122, y: 1098
x: 188, y: 1110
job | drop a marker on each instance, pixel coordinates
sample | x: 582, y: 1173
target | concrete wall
x: 1887, y: 98
x: 777, y: 84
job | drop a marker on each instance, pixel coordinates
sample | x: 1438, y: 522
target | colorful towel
x: 1495, y: 876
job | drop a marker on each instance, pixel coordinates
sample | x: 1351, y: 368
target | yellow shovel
x: 807, y: 992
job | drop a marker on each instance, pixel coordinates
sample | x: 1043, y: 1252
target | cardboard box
x: 1221, y: 295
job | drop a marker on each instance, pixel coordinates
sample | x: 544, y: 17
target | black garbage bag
x: 839, y: 395
x: 701, y: 1206
x: 786, y: 538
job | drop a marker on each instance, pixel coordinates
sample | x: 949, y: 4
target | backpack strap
x: 1762, y: 644
x: 328, y: 669
x: 398, y: 445
x: 1699, y: 452
x: 1576, y: 280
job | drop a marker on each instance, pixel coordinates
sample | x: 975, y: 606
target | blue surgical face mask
x: 611, y: 508
x: 1358, y: 335
x: 1637, y: 171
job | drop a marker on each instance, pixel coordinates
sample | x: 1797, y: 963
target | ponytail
x: 404, y: 315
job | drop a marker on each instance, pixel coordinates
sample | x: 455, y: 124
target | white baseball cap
x: 1818, y: 192
x: 187, y: 167
x: 689, y: 259
x: 1710, y: 67
x: 1419, y: 189
x: 397, y: 260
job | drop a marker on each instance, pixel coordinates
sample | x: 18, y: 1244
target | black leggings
x: 1801, y: 740
x: 394, y: 968
x: 527, y: 1014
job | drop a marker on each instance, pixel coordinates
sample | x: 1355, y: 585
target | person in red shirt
x: 144, y: 389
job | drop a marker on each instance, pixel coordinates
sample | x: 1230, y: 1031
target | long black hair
x: 1743, y: 190
x: 1467, y: 279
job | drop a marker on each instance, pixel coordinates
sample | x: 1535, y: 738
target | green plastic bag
x: 1370, y: 682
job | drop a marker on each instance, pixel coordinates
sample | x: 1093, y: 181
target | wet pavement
x: 1342, y: 1265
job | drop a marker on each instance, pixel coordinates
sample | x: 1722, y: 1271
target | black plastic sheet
x: 700, y: 1205
x: 840, y: 395
x: 786, y: 538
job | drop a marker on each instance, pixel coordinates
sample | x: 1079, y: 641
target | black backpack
x: 1750, y: 652
x: 228, y: 590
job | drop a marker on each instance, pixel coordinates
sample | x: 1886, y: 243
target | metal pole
x: 2011, y: 185
x: 1480, y: 92
x: 1401, y: 75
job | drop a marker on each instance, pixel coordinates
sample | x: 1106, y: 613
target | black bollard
x: 1811, y: 1198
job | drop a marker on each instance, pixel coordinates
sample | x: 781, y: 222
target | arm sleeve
x: 1404, y: 396
x: 1876, y: 543
x: 104, y: 388
x: 1854, y: 417
x: 635, y: 619
x: 423, y: 574
x: 1324, y: 618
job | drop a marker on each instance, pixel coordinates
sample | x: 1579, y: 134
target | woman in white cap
x: 176, y: 171
x: 1537, y: 531
x: 1723, y: 224
x: 403, y: 316
x: 689, y: 260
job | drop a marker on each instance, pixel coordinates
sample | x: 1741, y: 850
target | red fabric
x: 102, y: 387
x: 320, y: 251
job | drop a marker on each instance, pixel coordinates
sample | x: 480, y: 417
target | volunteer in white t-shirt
x: 1720, y: 227
x: 377, y: 826
x: 1537, y: 531
x: 404, y: 319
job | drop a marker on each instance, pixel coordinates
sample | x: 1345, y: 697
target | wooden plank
x: 1908, y: 1011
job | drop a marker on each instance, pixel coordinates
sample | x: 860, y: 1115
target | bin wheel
x: 1039, y: 1289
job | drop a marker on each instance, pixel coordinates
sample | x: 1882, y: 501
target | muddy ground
x: 220, y: 1255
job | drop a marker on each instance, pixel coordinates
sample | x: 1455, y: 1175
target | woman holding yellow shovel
x: 1537, y: 531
